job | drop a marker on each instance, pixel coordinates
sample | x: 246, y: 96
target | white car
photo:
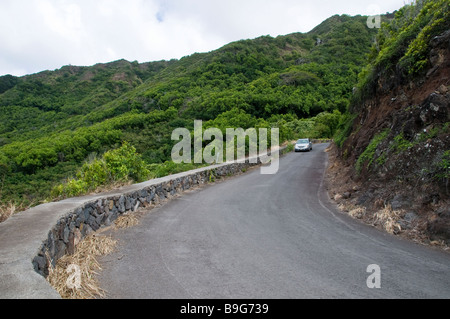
x: 303, y: 145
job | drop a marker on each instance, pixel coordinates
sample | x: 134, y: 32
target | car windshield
x: 304, y: 141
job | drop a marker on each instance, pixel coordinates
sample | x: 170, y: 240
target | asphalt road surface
x: 268, y: 237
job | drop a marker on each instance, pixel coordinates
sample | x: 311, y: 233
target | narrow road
x: 267, y: 237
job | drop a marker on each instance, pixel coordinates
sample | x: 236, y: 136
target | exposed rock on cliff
x: 396, y: 162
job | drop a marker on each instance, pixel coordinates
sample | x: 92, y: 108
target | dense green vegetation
x: 64, y: 126
x: 401, y: 52
x: 403, y: 45
x: 115, y: 166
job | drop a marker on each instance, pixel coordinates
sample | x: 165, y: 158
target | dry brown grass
x: 6, y: 211
x: 9, y: 209
x: 358, y: 212
x: 85, y: 258
x: 388, y: 219
x: 126, y: 221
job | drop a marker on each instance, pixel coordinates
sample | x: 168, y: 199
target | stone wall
x: 104, y: 210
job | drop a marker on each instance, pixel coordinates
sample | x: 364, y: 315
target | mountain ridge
x: 54, y: 122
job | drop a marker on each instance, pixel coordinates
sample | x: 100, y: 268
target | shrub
x: 435, y: 16
x: 125, y: 164
x: 121, y: 165
x: 401, y: 144
x: 367, y: 157
x: 403, y: 45
x: 344, y: 129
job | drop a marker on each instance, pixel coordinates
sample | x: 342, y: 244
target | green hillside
x: 55, y: 123
x: 392, y: 158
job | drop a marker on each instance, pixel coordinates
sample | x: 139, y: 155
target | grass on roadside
x: 62, y: 276
x: 11, y: 208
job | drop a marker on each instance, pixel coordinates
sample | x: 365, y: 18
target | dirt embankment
x: 401, y: 182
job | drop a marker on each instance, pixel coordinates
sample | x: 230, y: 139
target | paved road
x: 267, y: 237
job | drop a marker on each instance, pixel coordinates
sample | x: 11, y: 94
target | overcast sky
x: 37, y: 35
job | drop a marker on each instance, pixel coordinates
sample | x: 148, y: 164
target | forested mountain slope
x: 393, y: 152
x: 54, y: 123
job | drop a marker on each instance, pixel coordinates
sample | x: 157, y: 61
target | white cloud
x: 64, y: 20
x: 36, y: 35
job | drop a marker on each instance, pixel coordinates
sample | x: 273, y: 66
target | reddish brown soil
x: 402, y: 184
